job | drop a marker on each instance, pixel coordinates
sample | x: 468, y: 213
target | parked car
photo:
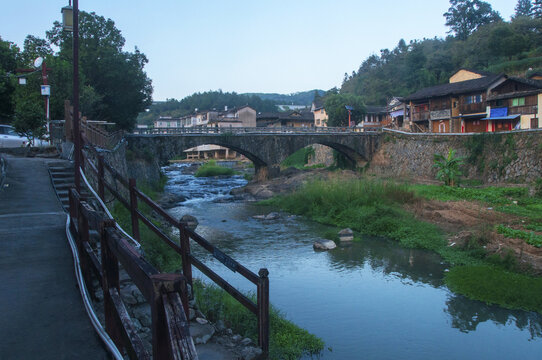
x: 10, y: 138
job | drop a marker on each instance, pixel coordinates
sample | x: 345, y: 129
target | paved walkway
x: 42, y: 314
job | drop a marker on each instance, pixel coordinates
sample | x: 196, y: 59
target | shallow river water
x: 371, y: 300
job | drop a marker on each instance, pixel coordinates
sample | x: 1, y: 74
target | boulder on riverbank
x: 170, y: 200
x: 324, y: 245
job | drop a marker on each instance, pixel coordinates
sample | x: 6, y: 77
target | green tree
x: 29, y: 113
x: 536, y: 10
x: 449, y: 167
x: 337, y: 113
x: 465, y: 16
x: 114, y: 85
x: 523, y: 8
x: 8, y: 63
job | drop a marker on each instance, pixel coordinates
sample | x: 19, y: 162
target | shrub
x: 449, y: 167
x: 210, y: 168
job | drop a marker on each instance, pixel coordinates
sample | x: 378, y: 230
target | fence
x: 165, y: 293
x: 260, y: 308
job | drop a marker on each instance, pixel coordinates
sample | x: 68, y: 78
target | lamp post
x: 73, y: 25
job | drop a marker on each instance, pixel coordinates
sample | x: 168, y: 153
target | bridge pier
x: 266, y: 172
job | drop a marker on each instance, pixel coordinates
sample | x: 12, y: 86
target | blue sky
x: 248, y: 46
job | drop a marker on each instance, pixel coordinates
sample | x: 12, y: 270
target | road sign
x: 46, y: 90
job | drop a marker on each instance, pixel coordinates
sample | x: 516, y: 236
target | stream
x: 372, y: 300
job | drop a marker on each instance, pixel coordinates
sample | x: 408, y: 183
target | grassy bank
x: 377, y: 208
x: 211, y: 168
x: 287, y: 340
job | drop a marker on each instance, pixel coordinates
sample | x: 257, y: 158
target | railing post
x: 133, y: 208
x: 101, y: 177
x: 185, y: 255
x: 162, y: 283
x: 263, y: 310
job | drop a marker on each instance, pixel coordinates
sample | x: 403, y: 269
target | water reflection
x: 467, y: 317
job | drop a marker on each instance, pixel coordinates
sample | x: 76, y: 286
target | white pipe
x: 111, y: 347
x: 137, y: 245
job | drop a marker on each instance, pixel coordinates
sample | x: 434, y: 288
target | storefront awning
x: 509, y: 117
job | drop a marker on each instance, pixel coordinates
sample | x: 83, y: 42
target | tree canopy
x: 465, y: 16
x: 511, y: 47
x: 113, y: 84
x: 335, y: 105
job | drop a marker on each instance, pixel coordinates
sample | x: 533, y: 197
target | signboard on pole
x: 46, y: 90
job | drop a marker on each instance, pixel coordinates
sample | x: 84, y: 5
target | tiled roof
x: 457, y: 88
x: 374, y: 109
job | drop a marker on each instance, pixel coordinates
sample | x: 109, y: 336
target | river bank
x: 488, y: 232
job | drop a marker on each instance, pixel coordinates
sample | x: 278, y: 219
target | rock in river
x: 324, y: 245
x: 346, y: 235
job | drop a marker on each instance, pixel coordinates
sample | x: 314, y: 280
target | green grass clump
x: 287, y: 340
x: 494, y: 285
x: 367, y: 206
x: 530, y: 237
x: 489, y: 195
x: 210, y: 168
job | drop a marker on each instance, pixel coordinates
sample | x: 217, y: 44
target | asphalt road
x: 41, y: 312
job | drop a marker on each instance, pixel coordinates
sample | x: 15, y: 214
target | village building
x: 206, y: 152
x: 459, y: 106
x: 244, y: 116
x: 398, y: 114
x: 286, y: 119
x: 375, y: 117
x: 514, y: 104
x: 319, y: 113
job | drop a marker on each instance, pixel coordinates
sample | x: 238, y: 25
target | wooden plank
x: 178, y: 328
x: 156, y: 208
x: 96, y: 265
x: 131, y: 341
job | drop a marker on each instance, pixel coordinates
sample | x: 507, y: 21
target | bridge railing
x: 165, y: 293
x: 260, y: 308
x: 253, y: 130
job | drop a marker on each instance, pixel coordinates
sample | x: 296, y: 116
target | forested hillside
x: 479, y: 39
x: 298, y: 98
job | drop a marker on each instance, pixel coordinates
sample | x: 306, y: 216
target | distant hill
x: 298, y: 98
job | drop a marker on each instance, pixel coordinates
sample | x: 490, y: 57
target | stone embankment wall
x: 491, y: 157
x: 322, y: 155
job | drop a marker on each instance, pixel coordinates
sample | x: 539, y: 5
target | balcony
x: 472, y: 108
x: 421, y: 115
x: 523, y: 110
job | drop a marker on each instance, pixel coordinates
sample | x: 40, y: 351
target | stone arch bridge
x: 265, y: 150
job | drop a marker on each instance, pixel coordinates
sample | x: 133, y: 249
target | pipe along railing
x: 165, y: 293
x: 260, y: 308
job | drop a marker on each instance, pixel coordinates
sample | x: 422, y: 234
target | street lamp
x: 70, y: 19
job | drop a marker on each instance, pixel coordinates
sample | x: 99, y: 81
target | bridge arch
x: 265, y: 150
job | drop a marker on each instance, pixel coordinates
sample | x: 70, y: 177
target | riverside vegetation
x: 287, y: 340
x: 375, y: 207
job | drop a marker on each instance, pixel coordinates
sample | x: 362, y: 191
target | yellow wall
x: 318, y: 115
x: 526, y: 121
x: 463, y: 75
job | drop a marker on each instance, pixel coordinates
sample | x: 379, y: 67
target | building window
x: 321, y: 111
x: 474, y: 99
x: 518, y: 102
